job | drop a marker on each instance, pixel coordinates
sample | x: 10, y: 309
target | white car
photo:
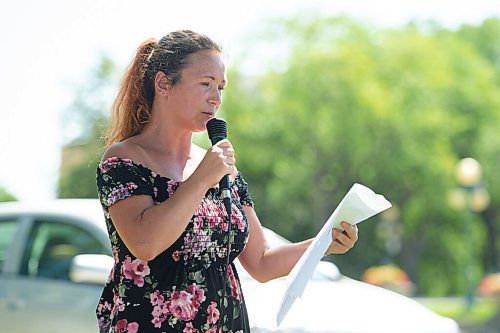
x: 333, y: 302
x: 55, y: 257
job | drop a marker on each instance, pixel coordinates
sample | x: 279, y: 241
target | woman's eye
x: 221, y: 88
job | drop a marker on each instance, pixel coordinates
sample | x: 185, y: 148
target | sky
x: 49, y: 47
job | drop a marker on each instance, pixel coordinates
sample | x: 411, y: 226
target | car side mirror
x: 91, y: 268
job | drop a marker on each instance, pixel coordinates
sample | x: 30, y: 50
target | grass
x: 479, y: 313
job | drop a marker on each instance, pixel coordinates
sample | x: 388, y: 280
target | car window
x: 52, y: 246
x: 7, y: 231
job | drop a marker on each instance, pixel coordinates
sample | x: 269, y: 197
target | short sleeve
x: 243, y: 193
x: 119, y: 178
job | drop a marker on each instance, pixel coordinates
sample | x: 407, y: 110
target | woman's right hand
x: 219, y: 161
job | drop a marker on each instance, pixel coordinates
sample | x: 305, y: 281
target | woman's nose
x: 216, y: 97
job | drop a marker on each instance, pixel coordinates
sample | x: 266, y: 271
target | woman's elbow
x: 142, y: 252
x: 262, y: 277
x: 144, y: 256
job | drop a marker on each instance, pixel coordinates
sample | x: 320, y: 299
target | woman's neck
x: 167, y: 140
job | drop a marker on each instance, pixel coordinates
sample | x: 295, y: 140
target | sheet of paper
x: 359, y: 204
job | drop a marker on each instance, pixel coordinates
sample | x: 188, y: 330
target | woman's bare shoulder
x: 127, y: 148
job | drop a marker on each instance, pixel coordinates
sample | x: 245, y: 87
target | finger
x: 350, y: 230
x: 340, y: 237
x: 224, y: 144
x: 337, y: 247
x: 229, y: 152
x: 230, y: 160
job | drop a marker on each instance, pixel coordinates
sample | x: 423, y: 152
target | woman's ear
x: 162, y: 83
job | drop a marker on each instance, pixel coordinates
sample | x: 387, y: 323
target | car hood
x: 345, y: 305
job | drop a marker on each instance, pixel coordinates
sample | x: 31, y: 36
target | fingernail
x: 344, y: 224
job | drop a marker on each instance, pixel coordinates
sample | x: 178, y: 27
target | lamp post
x: 473, y: 196
x: 390, y: 231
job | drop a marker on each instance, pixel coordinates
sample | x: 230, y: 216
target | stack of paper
x: 358, y: 204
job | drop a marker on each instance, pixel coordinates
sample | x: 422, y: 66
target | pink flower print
x: 157, y: 311
x: 212, y: 329
x: 156, y: 298
x: 171, y: 187
x: 127, y: 161
x: 200, y: 244
x: 159, y: 314
x: 118, y: 304
x: 103, y: 167
x: 221, y: 251
x: 202, y: 208
x: 103, y: 307
x: 213, y: 221
x: 189, y: 328
x: 160, y: 309
x: 135, y: 270
x: 157, y: 321
x: 120, y: 192
x: 176, y: 255
x: 194, y: 244
x: 123, y: 326
x: 132, y: 186
x: 240, y: 222
x: 213, y: 313
x: 114, y: 251
x: 198, y: 294
x: 198, y: 224
x: 223, y: 225
x: 181, y: 306
x: 235, y: 286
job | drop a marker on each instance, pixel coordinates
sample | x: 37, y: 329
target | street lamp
x: 390, y: 231
x: 473, y: 196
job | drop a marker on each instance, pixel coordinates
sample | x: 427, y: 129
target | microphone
x: 217, y: 131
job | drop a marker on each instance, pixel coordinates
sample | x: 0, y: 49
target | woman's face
x: 197, y: 96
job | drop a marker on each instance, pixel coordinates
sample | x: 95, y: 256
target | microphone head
x: 217, y: 129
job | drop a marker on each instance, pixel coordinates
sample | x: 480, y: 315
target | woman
x: 165, y: 217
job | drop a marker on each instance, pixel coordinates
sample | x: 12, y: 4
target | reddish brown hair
x: 133, y: 104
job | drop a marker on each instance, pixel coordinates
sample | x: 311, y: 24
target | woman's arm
x: 146, y: 228
x: 265, y: 263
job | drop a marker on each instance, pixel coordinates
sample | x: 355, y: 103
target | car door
x: 9, y: 233
x: 42, y: 296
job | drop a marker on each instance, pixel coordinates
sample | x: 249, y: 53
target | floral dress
x: 181, y: 289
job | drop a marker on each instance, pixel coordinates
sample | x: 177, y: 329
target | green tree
x: 6, y: 196
x: 85, y: 121
x: 391, y: 109
x: 485, y: 38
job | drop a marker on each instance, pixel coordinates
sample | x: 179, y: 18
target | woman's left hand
x: 343, y: 241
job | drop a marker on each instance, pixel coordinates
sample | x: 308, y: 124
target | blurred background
x: 401, y: 97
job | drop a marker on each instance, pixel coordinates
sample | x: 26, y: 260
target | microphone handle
x: 224, y: 183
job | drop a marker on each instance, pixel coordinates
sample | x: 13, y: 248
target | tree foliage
x: 393, y: 109
x: 6, y: 196
x: 85, y: 121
